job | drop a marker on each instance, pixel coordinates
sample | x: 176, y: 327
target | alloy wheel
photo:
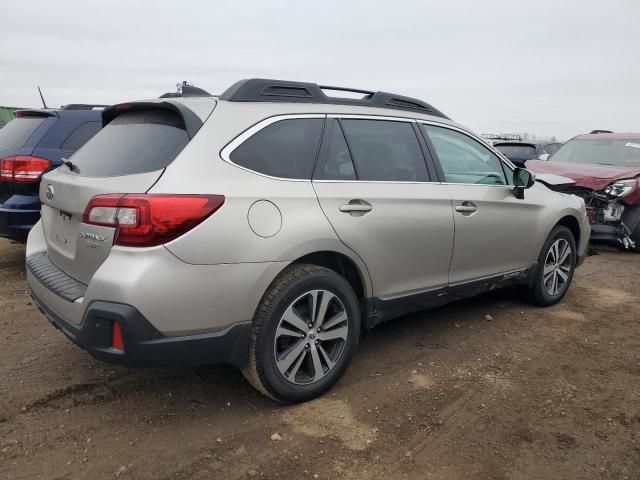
x: 557, y: 267
x: 310, y: 337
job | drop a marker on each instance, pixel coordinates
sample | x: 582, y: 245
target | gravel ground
x: 491, y: 387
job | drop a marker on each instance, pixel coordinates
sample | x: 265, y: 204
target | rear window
x: 18, y: 131
x: 518, y: 150
x: 284, y: 149
x: 80, y: 136
x: 134, y: 142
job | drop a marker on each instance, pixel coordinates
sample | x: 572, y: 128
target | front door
x: 493, y: 229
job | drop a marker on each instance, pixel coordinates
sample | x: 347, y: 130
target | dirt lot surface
x: 487, y: 388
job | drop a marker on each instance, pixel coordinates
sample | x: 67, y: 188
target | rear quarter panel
x: 227, y: 237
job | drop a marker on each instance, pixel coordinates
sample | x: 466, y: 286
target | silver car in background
x: 267, y: 227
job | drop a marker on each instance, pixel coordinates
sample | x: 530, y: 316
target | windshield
x: 519, y: 151
x: 623, y: 153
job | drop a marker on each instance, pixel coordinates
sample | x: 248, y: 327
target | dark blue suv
x: 34, y: 142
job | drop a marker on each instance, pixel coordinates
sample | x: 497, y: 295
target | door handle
x: 356, y: 207
x: 466, y: 208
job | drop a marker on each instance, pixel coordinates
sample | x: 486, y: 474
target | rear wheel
x: 556, y: 265
x: 304, y: 334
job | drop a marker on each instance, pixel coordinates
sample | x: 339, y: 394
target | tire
x: 284, y: 353
x: 542, y: 291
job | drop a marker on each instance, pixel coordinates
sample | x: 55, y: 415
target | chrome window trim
x: 473, y: 136
x: 359, y: 116
x: 228, y: 149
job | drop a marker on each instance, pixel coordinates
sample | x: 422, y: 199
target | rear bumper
x: 146, y: 346
x: 18, y: 214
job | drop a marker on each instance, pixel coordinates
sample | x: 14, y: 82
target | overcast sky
x: 550, y: 67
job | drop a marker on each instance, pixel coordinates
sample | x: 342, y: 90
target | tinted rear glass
x: 284, y: 149
x: 16, y: 133
x: 134, y: 142
x: 518, y: 150
x: 385, y: 150
x: 80, y: 136
x: 338, y: 164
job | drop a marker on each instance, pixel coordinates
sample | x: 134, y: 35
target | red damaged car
x: 606, y: 171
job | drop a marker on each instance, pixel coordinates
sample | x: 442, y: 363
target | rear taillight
x: 148, y: 220
x: 23, y: 168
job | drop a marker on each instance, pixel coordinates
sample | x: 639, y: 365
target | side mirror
x: 544, y: 157
x: 522, y: 179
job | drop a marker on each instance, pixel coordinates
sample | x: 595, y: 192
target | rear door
x: 127, y: 156
x: 374, y: 187
x: 493, y: 229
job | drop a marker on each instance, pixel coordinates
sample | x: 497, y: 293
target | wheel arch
x: 353, y: 271
x: 573, y: 225
x: 343, y: 265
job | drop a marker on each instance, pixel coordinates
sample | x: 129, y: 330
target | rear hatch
x: 127, y: 156
x: 18, y: 140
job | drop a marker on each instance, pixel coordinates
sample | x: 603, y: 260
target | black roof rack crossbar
x: 266, y: 90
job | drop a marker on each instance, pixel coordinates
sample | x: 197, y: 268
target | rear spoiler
x: 192, y: 122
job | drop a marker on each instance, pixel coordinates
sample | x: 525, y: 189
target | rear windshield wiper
x: 72, y: 166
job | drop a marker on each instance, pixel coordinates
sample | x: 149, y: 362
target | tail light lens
x: 116, y: 337
x: 147, y: 220
x: 23, y: 168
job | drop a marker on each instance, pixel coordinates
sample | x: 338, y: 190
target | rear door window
x: 133, y: 142
x: 284, y: 149
x: 17, y: 132
x: 385, y: 150
x: 80, y: 136
x: 337, y: 163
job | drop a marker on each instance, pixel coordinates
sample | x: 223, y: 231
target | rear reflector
x: 22, y: 168
x: 116, y: 337
x: 147, y: 220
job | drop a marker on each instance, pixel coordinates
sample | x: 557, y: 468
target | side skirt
x: 388, y: 309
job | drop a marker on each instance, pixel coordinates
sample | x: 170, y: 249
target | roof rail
x: 82, y: 106
x: 265, y: 90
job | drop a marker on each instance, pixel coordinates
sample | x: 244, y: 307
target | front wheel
x: 304, y: 334
x: 556, y: 265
